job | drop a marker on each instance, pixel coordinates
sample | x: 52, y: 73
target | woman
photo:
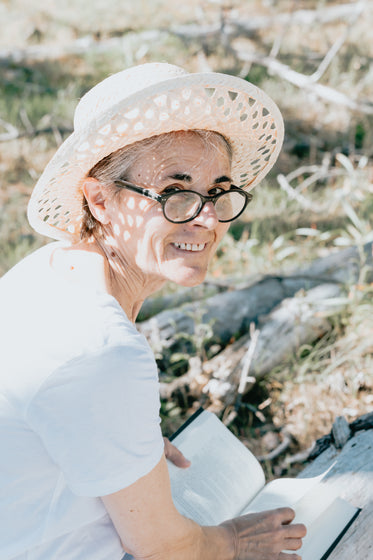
x: 141, y: 193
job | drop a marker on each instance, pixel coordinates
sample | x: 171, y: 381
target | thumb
x: 175, y: 455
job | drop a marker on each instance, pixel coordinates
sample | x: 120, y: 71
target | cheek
x: 221, y: 231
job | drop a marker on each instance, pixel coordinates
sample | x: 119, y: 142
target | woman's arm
x: 151, y: 528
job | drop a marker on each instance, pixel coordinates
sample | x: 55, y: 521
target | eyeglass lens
x: 185, y: 205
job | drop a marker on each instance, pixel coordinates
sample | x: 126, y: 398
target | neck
x: 126, y: 283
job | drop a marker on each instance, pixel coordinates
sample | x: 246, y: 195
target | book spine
x: 189, y: 421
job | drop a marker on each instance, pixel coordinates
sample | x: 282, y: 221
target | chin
x: 188, y: 277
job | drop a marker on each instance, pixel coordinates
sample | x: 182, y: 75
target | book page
x: 224, y: 474
x: 284, y: 492
x: 325, y: 529
x: 316, y: 504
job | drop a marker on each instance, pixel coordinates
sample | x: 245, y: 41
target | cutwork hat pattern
x: 146, y: 101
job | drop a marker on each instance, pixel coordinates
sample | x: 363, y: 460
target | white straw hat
x: 145, y: 101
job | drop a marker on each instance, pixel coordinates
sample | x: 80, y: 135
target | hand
x: 263, y: 536
x: 174, y: 455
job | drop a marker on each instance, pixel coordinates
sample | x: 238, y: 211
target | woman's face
x: 158, y: 249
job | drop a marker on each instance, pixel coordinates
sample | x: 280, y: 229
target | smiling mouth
x: 194, y: 247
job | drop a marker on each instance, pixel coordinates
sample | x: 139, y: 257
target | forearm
x: 194, y: 543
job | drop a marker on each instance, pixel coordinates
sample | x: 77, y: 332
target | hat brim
x: 241, y: 112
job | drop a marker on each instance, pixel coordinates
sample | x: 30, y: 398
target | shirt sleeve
x: 98, y: 417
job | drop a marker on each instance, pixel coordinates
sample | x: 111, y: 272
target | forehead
x: 184, y: 152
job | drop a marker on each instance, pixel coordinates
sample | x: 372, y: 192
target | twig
x: 279, y: 449
x: 335, y: 48
x: 300, y: 457
x: 30, y: 130
x: 245, y: 378
x: 294, y: 195
x: 12, y: 131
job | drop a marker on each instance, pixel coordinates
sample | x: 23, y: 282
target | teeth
x: 190, y: 247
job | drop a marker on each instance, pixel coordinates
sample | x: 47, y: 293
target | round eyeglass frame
x: 162, y: 199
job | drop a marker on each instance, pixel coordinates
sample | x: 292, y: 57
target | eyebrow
x: 188, y: 178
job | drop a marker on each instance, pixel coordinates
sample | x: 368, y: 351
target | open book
x: 225, y: 480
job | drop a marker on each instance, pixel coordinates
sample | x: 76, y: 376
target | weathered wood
x: 295, y: 322
x: 352, y: 476
x: 364, y: 422
x: 155, y: 305
x: 341, y: 432
x: 230, y: 314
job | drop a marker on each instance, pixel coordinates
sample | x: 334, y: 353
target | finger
x: 292, y: 544
x: 175, y: 456
x: 296, y: 530
x: 287, y: 515
x: 284, y: 556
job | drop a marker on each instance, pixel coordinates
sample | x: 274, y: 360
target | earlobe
x: 96, y: 198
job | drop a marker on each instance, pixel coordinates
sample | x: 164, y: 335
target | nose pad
x: 208, y: 216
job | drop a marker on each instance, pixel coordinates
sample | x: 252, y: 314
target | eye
x: 171, y: 189
x: 217, y: 190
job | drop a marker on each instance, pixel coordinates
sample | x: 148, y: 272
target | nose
x: 207, y: 217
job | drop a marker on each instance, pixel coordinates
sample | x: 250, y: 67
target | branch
x: 233, y: 27
x: 304, y: 82
x: 295, y: 195
x: 281, y: 448
x: 79, y: 47
x: 14, y: 133
x: 11, y: 131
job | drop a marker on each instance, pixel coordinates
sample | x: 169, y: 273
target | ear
x: 97, y: 198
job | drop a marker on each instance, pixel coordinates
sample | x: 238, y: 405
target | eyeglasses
x: 183, y: 206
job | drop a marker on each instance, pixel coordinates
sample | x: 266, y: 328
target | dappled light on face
x: 116, y: 229
x: 126, y: 236
x: 131, y: 203
x: 139, y: 221
x: 130, y: 221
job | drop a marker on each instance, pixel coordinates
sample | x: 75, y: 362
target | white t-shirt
x: 79, y: 414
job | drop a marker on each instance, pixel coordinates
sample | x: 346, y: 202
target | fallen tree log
x: 229, y: 314
x: 233, y: 27
x: 295, y: 322
x: 80, y: 47
x: 156, y: 304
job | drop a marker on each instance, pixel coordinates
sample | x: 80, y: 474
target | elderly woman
x: 141, y: 193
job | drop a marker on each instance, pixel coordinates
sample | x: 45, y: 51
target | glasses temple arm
x: 131, y: 187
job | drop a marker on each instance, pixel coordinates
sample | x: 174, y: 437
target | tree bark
x: 229, y: 314
x: 295, y: 322
x: 351, y: 475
